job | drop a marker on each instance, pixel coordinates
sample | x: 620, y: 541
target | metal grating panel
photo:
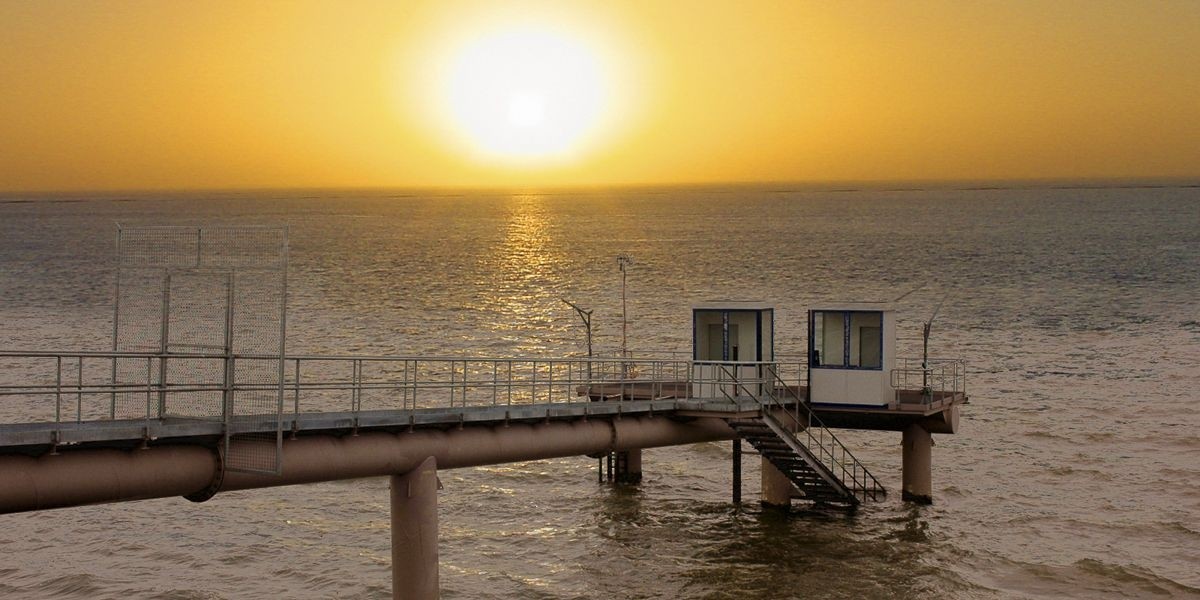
x: 207, y: 307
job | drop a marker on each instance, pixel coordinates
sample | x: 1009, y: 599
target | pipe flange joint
x: 215, y: 485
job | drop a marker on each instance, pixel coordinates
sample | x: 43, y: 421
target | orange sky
x: 148, y: 95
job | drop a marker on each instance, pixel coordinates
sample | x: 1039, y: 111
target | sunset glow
x: 467, y: 93
x: 525, y: 94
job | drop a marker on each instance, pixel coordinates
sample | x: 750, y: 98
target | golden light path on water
x: 522, y: 269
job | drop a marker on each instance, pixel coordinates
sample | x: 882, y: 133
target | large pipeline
x: 79, y: 477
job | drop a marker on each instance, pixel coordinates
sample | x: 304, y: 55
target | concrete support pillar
x: 629, y: 466
x: 415, y: 533
x: 776, y: 487
x: 917, y: 473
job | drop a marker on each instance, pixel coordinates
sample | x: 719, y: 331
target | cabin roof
x: 733, y: 305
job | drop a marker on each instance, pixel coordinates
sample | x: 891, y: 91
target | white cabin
x: 730, y: 332
x: 851, y: 354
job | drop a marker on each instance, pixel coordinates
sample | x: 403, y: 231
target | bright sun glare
x: 525, y: 94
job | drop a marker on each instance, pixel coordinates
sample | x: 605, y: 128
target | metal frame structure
x: 190, y: 301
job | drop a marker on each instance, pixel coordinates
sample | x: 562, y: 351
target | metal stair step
x: 790, y: 455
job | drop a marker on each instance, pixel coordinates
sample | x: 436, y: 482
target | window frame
x: 845, y: 366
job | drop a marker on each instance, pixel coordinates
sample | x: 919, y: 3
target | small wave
x: 71, y: 586
x: 1178, y: 527
x: 1064, y: 471
x: 1134, y: 576
x: 185, y: 595
x: 1045, y: 435
x: 1086, y: 578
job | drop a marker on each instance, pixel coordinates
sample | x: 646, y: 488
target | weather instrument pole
x: 925, y: 346
x: 586, y: 317
x: 623, y: 262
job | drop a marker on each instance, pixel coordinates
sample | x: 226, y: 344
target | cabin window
x: 866, y: 340
x: 829, y: 339
x: 847, y: 339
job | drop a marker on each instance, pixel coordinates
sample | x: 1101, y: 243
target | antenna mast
x: 623, y: 262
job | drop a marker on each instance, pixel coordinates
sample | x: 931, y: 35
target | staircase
x: 819, y: 465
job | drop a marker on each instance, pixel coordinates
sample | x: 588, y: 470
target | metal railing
x: 81, y: 386
x: 936, y: 379
x: 802, y: 425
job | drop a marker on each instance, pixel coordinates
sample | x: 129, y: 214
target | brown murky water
x: 1076, y: 472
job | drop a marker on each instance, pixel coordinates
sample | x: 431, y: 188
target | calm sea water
x: 1076, y: 473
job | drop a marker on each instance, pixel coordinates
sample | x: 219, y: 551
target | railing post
x: 465, y: 383
x: 296, y: 394
x: 149, y: 378
x: 58, y: 389
x: 79, y: 392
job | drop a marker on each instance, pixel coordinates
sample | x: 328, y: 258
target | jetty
x: 199, y: 396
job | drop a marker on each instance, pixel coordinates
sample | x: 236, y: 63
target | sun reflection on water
x: 523, y: 275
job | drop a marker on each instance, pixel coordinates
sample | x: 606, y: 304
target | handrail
x: 828, y: 450
x: 935, y: 378
x: 86, y: 386
x: 867, y: 483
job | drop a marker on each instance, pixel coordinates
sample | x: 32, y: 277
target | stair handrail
x: 866, y: 483
x: 862, y: 481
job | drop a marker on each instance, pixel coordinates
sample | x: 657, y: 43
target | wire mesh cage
x: 206, y: 307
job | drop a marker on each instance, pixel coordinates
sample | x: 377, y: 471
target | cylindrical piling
x: 776, y: 487
x: 415, y: 533
x: 629, y: 466
x: 917, y: 473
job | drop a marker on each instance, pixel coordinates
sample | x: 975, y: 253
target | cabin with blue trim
x: 851, y: 354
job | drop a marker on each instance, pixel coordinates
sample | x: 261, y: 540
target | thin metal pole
x: 164, y: 336
x: 737, y: 471
x: 79, y: 392
x: 282, y: 351
x: 624, y: 317
x: 112, y: 397
x: 227, y: 391
x: 58, y: 389
x: 149, y: 376
x: 296, y: 392
x: 586, y: 317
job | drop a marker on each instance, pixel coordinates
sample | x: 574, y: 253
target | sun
x: 525, y: 93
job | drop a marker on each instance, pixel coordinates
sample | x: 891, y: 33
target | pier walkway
x: 73, y: 404
x: 79, y: 429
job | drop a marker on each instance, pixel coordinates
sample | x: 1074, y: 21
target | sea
x: 1075, y: 472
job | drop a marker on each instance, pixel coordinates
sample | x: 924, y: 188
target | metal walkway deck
x: 188, y: 399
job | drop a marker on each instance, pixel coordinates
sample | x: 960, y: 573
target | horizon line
x: 830, y: 185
